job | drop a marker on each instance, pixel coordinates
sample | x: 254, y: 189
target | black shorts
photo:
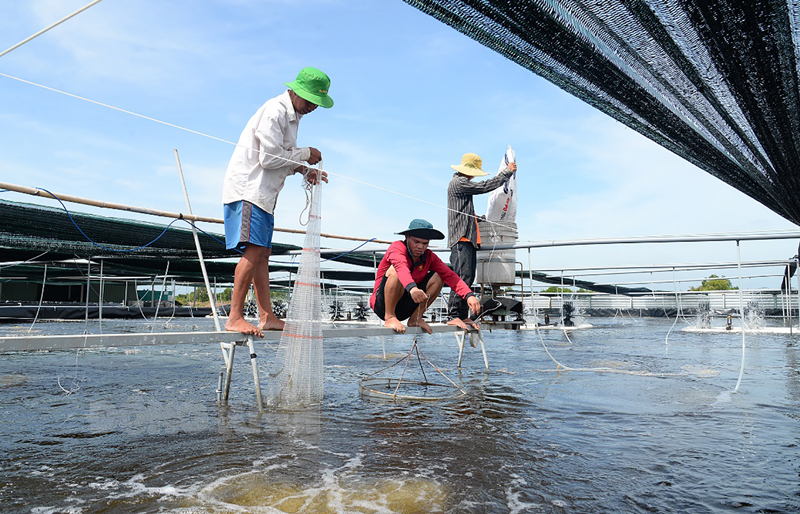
x: 405, y: 306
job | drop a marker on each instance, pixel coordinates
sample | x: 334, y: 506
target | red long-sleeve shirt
x: 398, y: 256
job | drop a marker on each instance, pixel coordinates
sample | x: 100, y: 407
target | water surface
x: 659, y: 430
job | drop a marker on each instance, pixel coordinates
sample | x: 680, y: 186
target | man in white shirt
x: 266, y: 154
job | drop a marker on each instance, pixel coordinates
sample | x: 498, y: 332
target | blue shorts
x: 247, y: 223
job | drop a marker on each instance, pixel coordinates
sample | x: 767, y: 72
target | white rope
x: 41, y: 298
x: 59, y: 22
x: 202, y: 134
x: 678, y: 310
x: 594, y: 370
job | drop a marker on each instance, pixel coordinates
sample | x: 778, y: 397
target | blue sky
x: 412, y: 95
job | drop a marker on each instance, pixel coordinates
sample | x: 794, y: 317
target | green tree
x: 557, y: 289
x: 715, y: 283
x: 225, y: 295
x: 189, y: 298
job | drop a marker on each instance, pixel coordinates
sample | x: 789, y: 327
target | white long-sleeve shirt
x: 258, y: 167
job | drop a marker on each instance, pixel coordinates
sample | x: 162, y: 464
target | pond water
x: 649, y: 424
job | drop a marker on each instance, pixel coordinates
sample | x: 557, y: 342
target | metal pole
x: 798, y: 301
x: 530, y: 285
x: 88, y: 287
x: 100, y: 300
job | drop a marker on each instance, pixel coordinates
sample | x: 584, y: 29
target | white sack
x: 503, y: 200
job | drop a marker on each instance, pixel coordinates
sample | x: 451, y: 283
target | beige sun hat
x: 470, y: 166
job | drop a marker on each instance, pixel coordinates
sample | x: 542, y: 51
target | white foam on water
x: 388, y: 356
x: 700, y: 371
x: 723, y: 397
x: 57, y: 510
x: 338, y: 489
x: 12, y: 379
x: 513, y: 492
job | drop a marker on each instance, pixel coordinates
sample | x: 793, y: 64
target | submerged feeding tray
x: 412, y: 390
x: 405, y: 389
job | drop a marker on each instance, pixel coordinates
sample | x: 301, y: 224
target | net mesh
x: 714, y: 81
x: 296, y: 377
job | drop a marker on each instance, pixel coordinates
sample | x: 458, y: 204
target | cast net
x: 296, y: 377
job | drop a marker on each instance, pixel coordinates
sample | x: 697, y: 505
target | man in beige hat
x: 463, y: 236
x: 267, y: 153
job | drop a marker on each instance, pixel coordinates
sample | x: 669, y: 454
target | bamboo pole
x: 59, y: 22
x: 212, y: 300
x: 155, y: 212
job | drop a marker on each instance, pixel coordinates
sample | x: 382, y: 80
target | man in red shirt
x: 410, y: 277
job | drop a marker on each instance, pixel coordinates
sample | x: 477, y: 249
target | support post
x: 483, y: 349
x: 100, y: 300
x: 256, y: 379
x: 460, y: 341
x: 228, y: 351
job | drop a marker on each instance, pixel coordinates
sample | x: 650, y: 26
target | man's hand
x: 511, y: 165
x: 315, y: 156
x: 473, y: 303
x: 418, y: 295
x: 313, y: 176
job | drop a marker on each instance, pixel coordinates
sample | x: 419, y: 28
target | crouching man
x: 410, y: 277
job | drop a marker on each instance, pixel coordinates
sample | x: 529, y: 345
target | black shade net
x: 714, y: 81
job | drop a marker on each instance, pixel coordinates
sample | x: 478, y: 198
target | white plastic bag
x: 503, y: 200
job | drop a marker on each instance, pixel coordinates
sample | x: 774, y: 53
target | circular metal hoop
x: 384, y: 388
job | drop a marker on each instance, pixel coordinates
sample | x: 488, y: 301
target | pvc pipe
x: 741, y: 314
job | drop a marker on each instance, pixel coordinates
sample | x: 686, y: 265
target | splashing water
x: 703, y: 319
x: 754, y: 315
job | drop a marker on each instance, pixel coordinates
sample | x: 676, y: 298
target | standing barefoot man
x: 266, y: 154
x: 410, y: 277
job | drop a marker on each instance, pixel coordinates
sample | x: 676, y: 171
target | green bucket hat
x: 312, y: 85
x: 422, y: 229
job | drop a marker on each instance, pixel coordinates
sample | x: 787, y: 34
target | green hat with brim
x: 312, y: 85
x: 422, y: 229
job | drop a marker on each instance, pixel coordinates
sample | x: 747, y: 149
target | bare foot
x: 457, y: 322
x: 395, y: 324
x: 271, y: 323
x: 472, y: 324
x: 421, y: 323
x: 242, y: 325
